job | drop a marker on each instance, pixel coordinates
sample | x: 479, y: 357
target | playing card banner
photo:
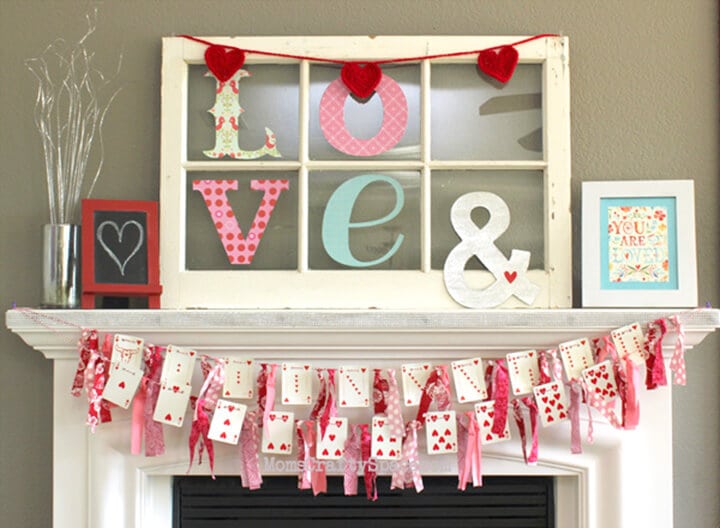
x: 605, y: 372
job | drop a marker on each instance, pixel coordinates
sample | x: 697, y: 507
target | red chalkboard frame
x: 90, y: 288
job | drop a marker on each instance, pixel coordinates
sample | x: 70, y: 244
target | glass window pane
x: 522, y: 191
x: 364, y: 119
x: 476, y: 119
x: 375, y: 195
x: 277, y: 248
x: 269, y: 98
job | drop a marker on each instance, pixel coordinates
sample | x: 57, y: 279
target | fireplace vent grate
x: 502, y: 502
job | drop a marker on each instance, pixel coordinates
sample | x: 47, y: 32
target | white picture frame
x: 624, y: 251
x: 307, y: 288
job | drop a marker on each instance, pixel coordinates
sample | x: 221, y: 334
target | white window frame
x: 357, y: 289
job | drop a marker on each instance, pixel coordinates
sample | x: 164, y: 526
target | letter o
x: 395, y: 116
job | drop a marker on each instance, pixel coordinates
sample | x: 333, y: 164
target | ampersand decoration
x: 510, y: 275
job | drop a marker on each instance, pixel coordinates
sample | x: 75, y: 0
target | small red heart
x: 227, y: 393
x: 550, y: 419
x: 381, y: 423
x: 226, y: 422
x: 486, y: 423
x: 121, y: 384
x: 448, y: 432
x: 283, y: 447
x: 392, y: 453
x: 510, y: 277
x: 338, y: 452
x: 436, y: 447
x: 446, y: 417
x: 168, y: 417
x: 223, y: 435
x: 379, y: 452
x: 224, y: 62
x: 476, y: 361
x: 361, y: 80
x: 363, y: 369
x: 499, y: 63
x: 343, y: 403
x: 338, y: 423
x: 231, y: 408
x: 435, y: 433
x: 380, y: 438
x: 325, y: 452
x: 332, y: 437
x: 488, y: 437
x: 285, y: 418
x: 434, y: 418
x: 175, y: 388
x: 272, y: 417
x: 271, y: 446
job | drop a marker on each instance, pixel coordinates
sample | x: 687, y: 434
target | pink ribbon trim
x: 249, y: 446
x: 353, y: 459
x: 677, y: 362
x: 469, y: 451
x: 370, y: 475
x: 407, y: 474
x: 500, y: 393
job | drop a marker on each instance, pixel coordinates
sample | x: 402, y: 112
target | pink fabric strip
x: 325, y: 407
x: 98, y: 409
x: 575, y: 403
x: 269, y: 392
x: 380, y: 388
x: 353, y: 459
x: 407, y: 473
x: 304, y: 430
x: 469, y: 451
x: 322, y: 395
x: 199, y: 437
x: 656, y: 376
x: 437, y: 388
x: 631, y: 401
x: 529, y: 402
x: 154, y: 435
x: 394, y: 413
x: 500, y: 393
x: 677, y: 362
x: 87, y: 343
x: 249, y: 451
x: 370, y: 475
x: 138, y: 419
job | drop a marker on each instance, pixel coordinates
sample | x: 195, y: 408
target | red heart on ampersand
x: 499, y: 63
x: 361, y: 80
x: 224, y: 62
x: 510, y: 277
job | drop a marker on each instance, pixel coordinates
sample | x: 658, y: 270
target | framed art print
x: 638, y: 244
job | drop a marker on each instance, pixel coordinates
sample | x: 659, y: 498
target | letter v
x: 239, y: 250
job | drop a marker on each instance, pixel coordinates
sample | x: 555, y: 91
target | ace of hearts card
x: 122, y: 384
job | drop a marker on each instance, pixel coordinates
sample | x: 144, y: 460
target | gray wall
x: 644, y: 105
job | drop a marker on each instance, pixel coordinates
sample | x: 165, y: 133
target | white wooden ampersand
x: 510, y: 275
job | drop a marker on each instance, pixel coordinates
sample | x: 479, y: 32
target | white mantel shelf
x: 313, y: 334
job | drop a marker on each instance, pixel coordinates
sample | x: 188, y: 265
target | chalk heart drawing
x: 119, y: 231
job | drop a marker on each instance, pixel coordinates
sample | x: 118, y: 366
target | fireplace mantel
x: 372, y: 332
x: 98, y: 484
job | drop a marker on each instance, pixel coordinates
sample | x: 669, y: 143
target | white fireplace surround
x: 624, y: 479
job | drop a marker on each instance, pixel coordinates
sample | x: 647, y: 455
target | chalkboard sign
x: 120, y: 250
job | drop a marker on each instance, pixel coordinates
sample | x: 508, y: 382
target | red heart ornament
x: 224, y: 62
x: 361, y: 80
x: 499, y: 63
x: 510, y: 277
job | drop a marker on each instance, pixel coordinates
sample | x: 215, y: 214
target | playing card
x: 469, y: 377
x: 127, y: 350
x: 552, y: 402
x: 121, y: 385
x: 576, y: 357
x: 353, y: 386
x: 600, y: 380
x: 384, y: 446
x: 296, y: 384
x: 414, y: 377
x: 172, y: 404
x: 178, y: 366
x: 239, y: 378
x: 278, y: 433
x: 441, y: 428
x: 485, y: 413
x: 524, y: 371
x: 227, y: 421
x: 630, y: 342
x: 332, y: 445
